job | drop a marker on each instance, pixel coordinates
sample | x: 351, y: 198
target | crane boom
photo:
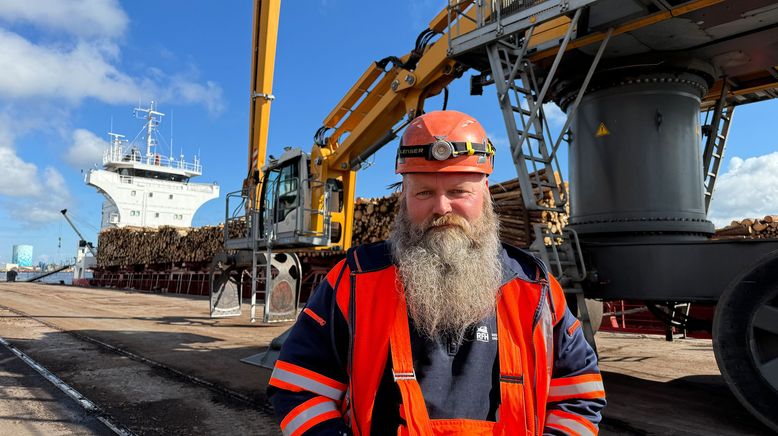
x: 265, y: 35
x: 64, y: 213
x: 389, y: 91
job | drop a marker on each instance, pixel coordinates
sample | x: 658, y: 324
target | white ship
x: 145, y: 188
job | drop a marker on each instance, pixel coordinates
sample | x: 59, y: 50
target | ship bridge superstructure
x: 144, y: 187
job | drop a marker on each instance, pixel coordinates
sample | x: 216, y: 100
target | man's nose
x: 442, y: 205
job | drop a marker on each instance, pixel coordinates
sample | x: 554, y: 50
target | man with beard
x: 442, y: 329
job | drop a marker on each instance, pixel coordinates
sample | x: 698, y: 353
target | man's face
x: 446, y: 244
x: 433, y: 195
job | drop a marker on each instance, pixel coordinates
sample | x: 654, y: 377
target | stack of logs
x: 516, y: 222
x: 135, y: 245
x: 373, y: 219
x: 755, y: 228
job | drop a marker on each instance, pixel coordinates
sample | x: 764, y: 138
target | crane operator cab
x: 290, y: 212
x: 285, y: 217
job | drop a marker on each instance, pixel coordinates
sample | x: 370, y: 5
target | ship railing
x: 178, y: 282
x: 116, y: 155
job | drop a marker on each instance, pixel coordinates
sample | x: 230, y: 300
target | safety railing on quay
x: 190, y: 283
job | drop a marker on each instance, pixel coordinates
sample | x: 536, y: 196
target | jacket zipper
x: 544, y: 288
x: 543, y: 281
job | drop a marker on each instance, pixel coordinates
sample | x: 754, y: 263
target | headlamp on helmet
x: 442, y: 150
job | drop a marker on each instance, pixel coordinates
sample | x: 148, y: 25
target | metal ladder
x: 716, y: 140
x: 540, y: 176
x: 521, y: 105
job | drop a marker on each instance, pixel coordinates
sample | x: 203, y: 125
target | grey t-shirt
x: 459, y: 378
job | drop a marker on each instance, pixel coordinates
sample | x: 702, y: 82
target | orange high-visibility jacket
x: 548, y: 382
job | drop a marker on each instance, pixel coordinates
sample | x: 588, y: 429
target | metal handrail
x: 300, y: 224
x: 252, y: 217
x: 117, y: 155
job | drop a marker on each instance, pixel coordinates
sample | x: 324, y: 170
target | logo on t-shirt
x: 482, y: 334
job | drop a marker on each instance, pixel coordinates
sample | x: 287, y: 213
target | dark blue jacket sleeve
x: 576, y: 396
x: 309, y: 381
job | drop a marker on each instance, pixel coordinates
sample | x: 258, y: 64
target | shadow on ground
x: 691, y: 405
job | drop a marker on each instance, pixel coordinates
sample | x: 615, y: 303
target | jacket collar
x: 521, y: 264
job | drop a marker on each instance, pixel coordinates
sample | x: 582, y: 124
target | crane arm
x: 263, y: 54
x: 64, y: 213
x: 382, y: 97
x: 389, y: 91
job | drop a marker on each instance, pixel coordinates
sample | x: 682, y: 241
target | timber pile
x: 753, y: 228
x: 373, y: 219
x: 516, y: 222
x: 135, y: 245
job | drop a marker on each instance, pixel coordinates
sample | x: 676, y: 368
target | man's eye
x: 423, y: 194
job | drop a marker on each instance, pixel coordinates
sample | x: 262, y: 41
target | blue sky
x: 70, y: 68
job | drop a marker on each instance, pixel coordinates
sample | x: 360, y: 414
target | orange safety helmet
x: 445, y: 141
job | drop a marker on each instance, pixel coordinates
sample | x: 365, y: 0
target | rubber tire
x: 731, y: 339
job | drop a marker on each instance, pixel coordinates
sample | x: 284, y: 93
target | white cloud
x: 86, y: 69
x: 35, y: 71
x: 44, y: 205
x: 749, y: 188
x: 86, y: 150
x: 554, y: 115
x: 208, y: 94
x: 55, y: 183
x: 77, y: 17
x: 17, y: 177
x: 55, y: 54
x: 36, y: 197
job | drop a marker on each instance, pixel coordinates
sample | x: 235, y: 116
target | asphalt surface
x: 31, y: 405
x: 158, y: 365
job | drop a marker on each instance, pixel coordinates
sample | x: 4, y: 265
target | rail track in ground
x: 128, y: 387
x: 132, y: 394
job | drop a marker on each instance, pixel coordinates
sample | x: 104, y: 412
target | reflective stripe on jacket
x: 549, y: 381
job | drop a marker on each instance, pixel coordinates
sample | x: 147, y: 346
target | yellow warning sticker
x: 602, y: 130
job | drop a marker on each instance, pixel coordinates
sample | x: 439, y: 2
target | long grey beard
x: 451, y: 275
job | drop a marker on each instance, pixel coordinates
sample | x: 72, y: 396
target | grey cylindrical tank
x: 635, y: 160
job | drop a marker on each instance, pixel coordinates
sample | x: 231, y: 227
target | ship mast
x: 153, y: 118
